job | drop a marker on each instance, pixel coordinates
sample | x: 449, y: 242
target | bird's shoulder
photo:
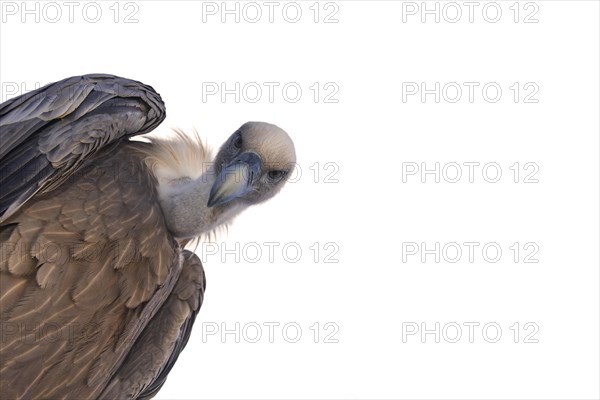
x: 47, y: 134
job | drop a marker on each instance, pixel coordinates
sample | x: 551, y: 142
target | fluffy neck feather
x: 183, y: 167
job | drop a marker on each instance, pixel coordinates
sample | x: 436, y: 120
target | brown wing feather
x: 150, y: 360
x: 83, y: 269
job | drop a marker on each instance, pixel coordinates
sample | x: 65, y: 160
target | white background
x: 370, y: 135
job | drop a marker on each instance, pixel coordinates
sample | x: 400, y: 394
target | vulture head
x: 249, y: 168
x: 252, y: 165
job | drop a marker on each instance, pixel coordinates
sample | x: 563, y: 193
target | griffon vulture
x: 97, y: 294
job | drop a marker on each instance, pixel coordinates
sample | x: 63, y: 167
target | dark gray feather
x: 46, y: 134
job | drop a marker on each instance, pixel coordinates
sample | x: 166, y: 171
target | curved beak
x: 235, y: 178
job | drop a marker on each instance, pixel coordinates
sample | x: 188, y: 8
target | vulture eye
x: 238, y: 142
x: 276, y: 175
